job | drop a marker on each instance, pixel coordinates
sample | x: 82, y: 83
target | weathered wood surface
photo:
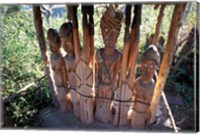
x: 70, y: 67
x: 84, y: 87
x: 129, y: 60
x: 167, y: 58
x: 124, y: 94
x: 123, y: 91
x: 134, y: 44
x: 41, y: 40
x: 84, y: 73
x: 158, y: 25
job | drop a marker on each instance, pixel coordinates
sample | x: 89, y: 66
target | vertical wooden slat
x: 167, y: 58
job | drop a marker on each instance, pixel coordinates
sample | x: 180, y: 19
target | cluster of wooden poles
x: 131, y: 45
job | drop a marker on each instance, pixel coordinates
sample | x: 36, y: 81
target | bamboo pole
x: 134, y: 43
x: 41, y: 40
x: 167, y: 58
x: 158, y: 25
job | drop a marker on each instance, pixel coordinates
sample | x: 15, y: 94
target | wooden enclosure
x: 123, y: 98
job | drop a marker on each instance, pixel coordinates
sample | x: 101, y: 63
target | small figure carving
x: 144, y: 88
x: 107, y: 64
x: 58, y: 70
x: 66, y: 36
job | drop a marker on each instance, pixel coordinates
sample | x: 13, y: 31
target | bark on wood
x: 43, y: 49
x: 158, y: 25
x: 167, y: 58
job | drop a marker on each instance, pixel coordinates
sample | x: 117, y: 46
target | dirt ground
x: 52, y: 118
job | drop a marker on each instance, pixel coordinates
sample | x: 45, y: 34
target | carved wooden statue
x: 58, y: 70
x: 123, y: 94
x: 107, y: 64
x: 66, y: 37
x: 83, y: 70
x: 144, y: 88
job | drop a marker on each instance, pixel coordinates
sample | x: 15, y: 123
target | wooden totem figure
x: 124, y: 91
x: 107, y: 64
x: 66, y: 36
x: 84, y: 72
x: 144, y: 88
x: 58, y: 70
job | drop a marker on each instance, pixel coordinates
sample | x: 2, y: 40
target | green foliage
x: 21, y: 60
x: 23, y: 109
x: 21, y: 63
x: 178, y: 84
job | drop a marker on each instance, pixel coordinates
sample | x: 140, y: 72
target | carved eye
x: 106, y: 30
x: 145, y: 65
x: 151, y: 66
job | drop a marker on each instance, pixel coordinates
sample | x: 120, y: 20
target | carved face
x: 53, y: 46
x: 148, y: 69
x: 110, y: 35
x: 67, y: 45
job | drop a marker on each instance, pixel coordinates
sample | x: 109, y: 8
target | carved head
x: 66, y: 37
x: 150, y: 62
x: 53, y: 40
x: 110, y: 26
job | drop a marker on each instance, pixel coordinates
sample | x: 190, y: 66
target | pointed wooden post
x: 134, y: 43
x: 167, y: 58
x: 41, y: 40
x: 158, y: 25
x: 125, y: 53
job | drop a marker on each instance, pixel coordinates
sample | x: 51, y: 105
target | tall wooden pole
x: 125, y: 53
x: 40, y: 36
x: 40, y: 32
x: 134, y: 43
x: 76, y: 40
x: 158, y: 25
x: 167, y: 58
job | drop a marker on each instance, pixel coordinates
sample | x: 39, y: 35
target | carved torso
x: 112, y: 66
x: 56, y: 63
x: 70, y: 65
x: 144, y: 92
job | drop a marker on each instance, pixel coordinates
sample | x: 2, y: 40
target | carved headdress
x: 151, y: 54
x: 112, y: 18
